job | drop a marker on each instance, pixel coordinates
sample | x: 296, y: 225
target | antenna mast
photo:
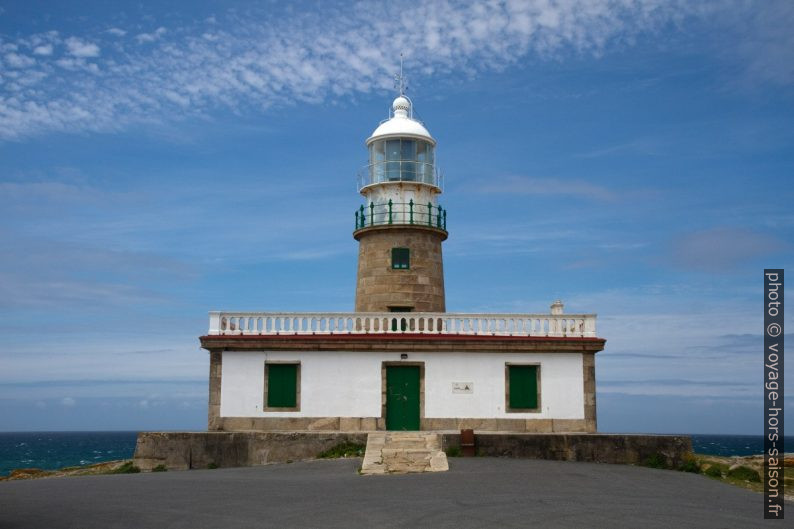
x: 399, y: 79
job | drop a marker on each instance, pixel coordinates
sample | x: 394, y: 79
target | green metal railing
x: 401, y: 213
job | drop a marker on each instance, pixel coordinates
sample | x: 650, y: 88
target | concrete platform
x: 403, y: 452
x: 475, y: 492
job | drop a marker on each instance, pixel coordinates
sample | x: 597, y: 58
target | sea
x: 54, y: 450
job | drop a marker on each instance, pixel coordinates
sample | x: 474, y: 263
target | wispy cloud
x: 76, y: 390
x: 257, y: 59
x: 86, y: 274
x: 528, y: 185
x: 723, y: 248
x: 727, y: 347
x: 150, y: 37
x: 678, y: 387
x: 15, y: 60
x: 67, y: 358
x: 44, y: 49
x: 81, y: 48
x: 642, y: 147
x: 312, y: 254
x: 767, y: 43
x: 679, y: 340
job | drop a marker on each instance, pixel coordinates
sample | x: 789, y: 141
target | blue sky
x: 160, y: 160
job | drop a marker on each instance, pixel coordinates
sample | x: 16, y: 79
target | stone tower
x: 401, y: 225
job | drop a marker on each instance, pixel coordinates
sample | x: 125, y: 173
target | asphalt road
x: 477, y: 492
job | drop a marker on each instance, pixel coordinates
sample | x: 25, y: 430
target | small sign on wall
x: 462, y: 387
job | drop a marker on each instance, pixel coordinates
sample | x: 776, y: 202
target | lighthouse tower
x: 400, y: 225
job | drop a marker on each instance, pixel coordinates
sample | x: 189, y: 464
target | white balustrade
x: 445, y: 323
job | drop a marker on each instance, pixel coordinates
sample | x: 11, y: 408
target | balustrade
x: 317, y: 323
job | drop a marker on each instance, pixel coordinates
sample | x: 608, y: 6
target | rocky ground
x: 107, y: 467
x: 729, y: 470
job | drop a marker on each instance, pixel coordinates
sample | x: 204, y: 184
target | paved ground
x: 477, y: 492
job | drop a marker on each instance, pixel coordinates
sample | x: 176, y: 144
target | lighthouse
x: 288, y: 385
x: 400, y: 225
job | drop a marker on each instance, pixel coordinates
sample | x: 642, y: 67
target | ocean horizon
x: 57, y: 449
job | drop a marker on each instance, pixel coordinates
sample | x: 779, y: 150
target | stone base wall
x: 296, y: 424
x: 512, y: 425
x: 597, y: 448
x: 186, y: 450
x: 368, y: 424
x: 189, y: 450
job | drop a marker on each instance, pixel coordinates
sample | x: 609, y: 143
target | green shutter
x: 282, y: 385
x: 523, y: 387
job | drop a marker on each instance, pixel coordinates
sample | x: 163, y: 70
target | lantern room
x: 400, y: 150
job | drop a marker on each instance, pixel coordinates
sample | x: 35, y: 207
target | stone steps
x: 403, y: 452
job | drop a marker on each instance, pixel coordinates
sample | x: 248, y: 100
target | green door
x: 402, y: 397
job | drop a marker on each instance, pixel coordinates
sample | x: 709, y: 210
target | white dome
x: 401, y: 103
x: 401, y: 124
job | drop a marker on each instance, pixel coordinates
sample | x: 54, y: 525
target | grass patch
x: 452, y: 451
x: 126, y: 468
x: 747, y: 471
x: 745, y: 474
x: 212, y: 465
x: 690, y: 465
x: 160, y: 468
x: 346, y: 449
x: 657, y: 460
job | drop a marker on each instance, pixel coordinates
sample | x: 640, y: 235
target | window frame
x: 538, y: 403
x: 297, y: 406
x: 407, y: 258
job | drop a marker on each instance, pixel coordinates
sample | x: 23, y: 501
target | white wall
x: 561, y: 385
x: 348, y: 384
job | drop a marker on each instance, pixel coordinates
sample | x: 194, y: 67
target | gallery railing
x: 402, y: 213
x: 445, y: 323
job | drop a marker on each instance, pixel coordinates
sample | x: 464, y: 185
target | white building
x: 421, y: 369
